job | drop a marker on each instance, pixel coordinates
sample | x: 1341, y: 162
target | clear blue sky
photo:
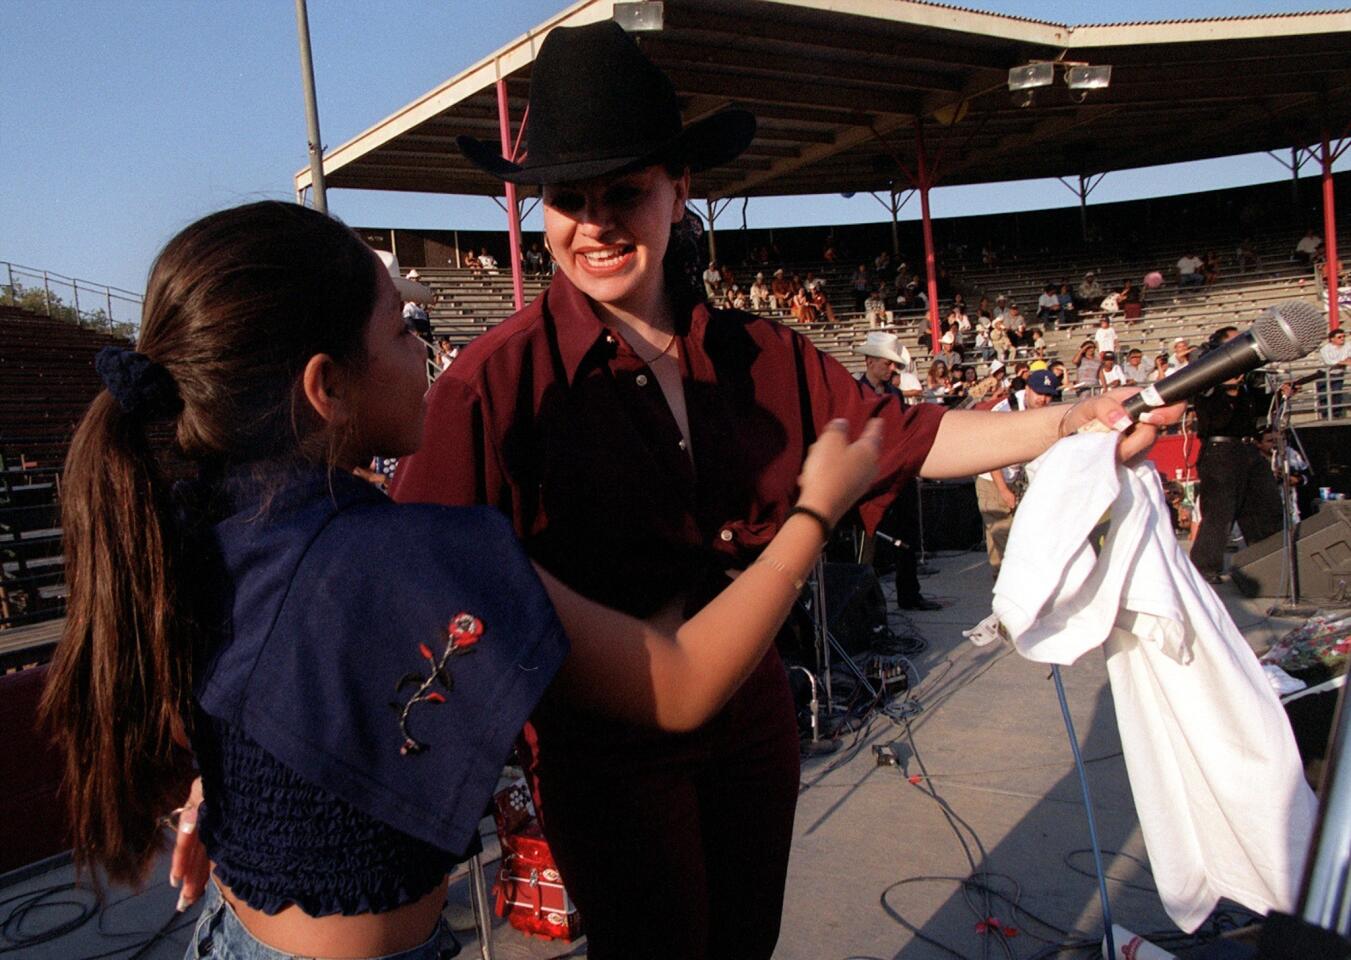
x: 124, y: 121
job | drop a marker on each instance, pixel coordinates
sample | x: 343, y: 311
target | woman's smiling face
x: 609, y: 235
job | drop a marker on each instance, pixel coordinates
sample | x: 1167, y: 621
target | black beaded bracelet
x: 826, y: 528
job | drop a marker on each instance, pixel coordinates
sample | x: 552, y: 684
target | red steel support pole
x: 513, y: 211
x: 1330, y: 234
x: 930, y: 264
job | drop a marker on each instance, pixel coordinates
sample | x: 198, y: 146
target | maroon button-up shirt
x: 559, y: 424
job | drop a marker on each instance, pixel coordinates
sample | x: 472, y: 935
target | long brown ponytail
x: 236, y: 305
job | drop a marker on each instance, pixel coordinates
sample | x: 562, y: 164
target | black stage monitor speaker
x: 1323, y: 555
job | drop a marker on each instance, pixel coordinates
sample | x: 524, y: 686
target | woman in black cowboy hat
x: 646, y: 447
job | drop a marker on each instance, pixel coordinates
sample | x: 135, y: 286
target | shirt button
x: 609, y: 339
x: 726, y: 536
x: 681, y: 444
x: 641, y: 379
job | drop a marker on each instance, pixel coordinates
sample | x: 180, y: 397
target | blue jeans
x: 220, y: 935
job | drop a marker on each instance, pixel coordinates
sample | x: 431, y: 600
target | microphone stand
x: 1279, y: 419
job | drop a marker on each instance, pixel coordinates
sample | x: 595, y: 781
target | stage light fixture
x: 1083, y: 77
x: 641, y: 16
x: 1031, y: 76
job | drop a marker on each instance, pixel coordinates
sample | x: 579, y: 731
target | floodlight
x: 1084, y: 77
x: 641, y: 16
x: 1031, y: 76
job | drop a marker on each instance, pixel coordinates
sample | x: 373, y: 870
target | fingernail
x: 183, y: 902
x: 187, y: 826
x: 840, y: 423
x: 1147, y: 417
x: 175, y: 881
x: 1121, y: 424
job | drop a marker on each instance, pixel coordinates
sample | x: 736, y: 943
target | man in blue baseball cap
x: 996, y: 491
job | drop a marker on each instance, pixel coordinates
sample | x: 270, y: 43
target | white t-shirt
x: 1188, y: 265
x: 1330, y: 353
x: 1106, y: 339
x: 1308, y: 245
x: 1114, y: 377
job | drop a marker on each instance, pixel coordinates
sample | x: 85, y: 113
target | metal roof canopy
x: 837, y: 87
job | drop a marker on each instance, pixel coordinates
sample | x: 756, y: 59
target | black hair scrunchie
x: 141, y: 387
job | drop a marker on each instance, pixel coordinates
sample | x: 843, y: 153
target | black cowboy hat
x: 598, y: 105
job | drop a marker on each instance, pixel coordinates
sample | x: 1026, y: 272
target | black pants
x: 1236, y: 485
x: 901, y: 521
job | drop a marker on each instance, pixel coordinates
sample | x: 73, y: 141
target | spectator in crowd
x: 1210, y: 267
x: 829, y: 253
x: 1181, y: 356
x: 759, y: 293
x: 487, y: 263
x: 1001, y: 308
x: 1134, y: 367
x: 415, y: 315
x: 862, y: 285
x: 1111, y: 304
x: 1069, y: 313
x: 1246, y: 256
x: 938, y: 383
x: 1086, y: 367
x: 1161, y: 368
x: 414, y: 276
x: 983, y: 347
x: 882, y: 263
x: 737, y: 299
x: 988, y: 256
x: 1017, y: 329
x: 1057, y: 368
x: 957, y: 316
x: 728, y: 278
x: 1188, y: 270
x: 534, y: 259
x: 1000, y: 340
x: 1132, y: 300
x: 997, y: 491
x: 1036, y: 339
x: 780, y: 291
x: 1336, y: 357
x: 812, y: 281
x: 991, y: 386
x: 1048, y: 304
x: 1109, y: 374
x: 1307, y: 250
x: 875, y: 308
x: 801, y: 306
x: 984, y: 310
x: 446, y: 352
x: 1105, y: 336
x: 712, y: 281
x: 1236, y: 481
x: 471, y: 261
x: 1300, y: 474
x: 886, y: 364
x: 821, y: 304
x: 1089, y: 295
x: 886, y: 372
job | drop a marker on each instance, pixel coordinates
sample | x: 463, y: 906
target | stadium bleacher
x: 47, y: 377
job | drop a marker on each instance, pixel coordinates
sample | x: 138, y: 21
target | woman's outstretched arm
x: 678, y: 678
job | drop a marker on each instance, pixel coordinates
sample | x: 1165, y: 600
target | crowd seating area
x: 467, y: 303
x: 47, y: 379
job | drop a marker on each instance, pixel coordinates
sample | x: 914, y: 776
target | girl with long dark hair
x: 348, y: 673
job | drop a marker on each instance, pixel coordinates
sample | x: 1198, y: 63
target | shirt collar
x: 578, y: 330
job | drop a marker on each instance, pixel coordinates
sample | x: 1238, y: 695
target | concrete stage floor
x: 877, y: 861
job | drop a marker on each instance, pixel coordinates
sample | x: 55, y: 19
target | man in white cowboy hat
x: 413, y: 294
x: 886, y: 371
x: 759, y: 293
x: 886, y: 366
x: 780, y: 291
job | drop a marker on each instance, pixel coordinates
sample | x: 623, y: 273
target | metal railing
x: 84, y: 302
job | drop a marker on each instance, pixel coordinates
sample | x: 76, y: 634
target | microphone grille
x: 1290, y: 330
